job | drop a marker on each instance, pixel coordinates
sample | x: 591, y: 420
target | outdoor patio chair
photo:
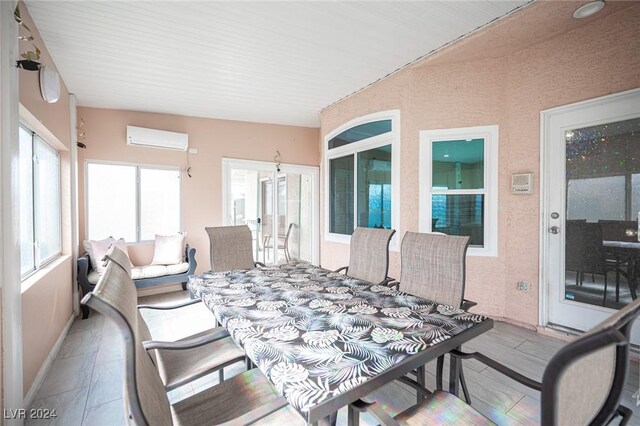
x: 184, y: 360
x: 240, y: 400
x: 581, y: 385
x: 284, y: 246
x: 585, y: 253
x: 624, y: 262
x: 434, y: 267
x: 369, y: 255
x: 231, y: 248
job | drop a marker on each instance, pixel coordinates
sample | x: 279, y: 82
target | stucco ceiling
x: 270, y: 62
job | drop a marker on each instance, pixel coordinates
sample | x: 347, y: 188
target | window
x: 593, y: 199
x: 40, y: 202
x: 132, y: 202
x: 458, y: 185
x: 362, y: 162
x: 601, y: 171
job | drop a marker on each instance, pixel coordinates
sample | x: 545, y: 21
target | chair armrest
x: 394, y: 283
x: 344, y: 268
x: 415, y: 385
x: 169, y: 307
x: 512, y: 374
x: 191, y: 258
x: 220, y: 333
x: 84, y: 265
x: 376, y: 410
x: 260, y: 264
x: 388, y: 282
x: 625, y: 413
x: 467, y: 304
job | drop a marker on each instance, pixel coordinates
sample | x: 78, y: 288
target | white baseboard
x: 46, y: 365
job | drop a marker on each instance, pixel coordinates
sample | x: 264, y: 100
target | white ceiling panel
x: 271, y: 62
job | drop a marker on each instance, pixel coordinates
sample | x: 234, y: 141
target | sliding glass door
x: 279, y: 204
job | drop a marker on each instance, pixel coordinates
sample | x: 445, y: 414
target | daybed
x: 143, y: 276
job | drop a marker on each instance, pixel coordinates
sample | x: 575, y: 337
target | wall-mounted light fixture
x: 81, y: 134
x: 276, y: 159
x: 30, y: 57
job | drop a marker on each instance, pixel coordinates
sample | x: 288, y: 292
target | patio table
x: 325, y: 339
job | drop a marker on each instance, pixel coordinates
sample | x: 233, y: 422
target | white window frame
x: 38, y: 262
x: 490, y: 191
x: 390, y: 138
x: 138, y: 210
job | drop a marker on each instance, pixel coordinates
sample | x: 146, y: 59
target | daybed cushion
x: 149, y: 271
x: 93, y: 277
x: 153, y: 271
x: 169, y: 249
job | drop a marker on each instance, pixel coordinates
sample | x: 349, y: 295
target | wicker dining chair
x: 240, y: 400
x: 231, y: 248
x: 187, y: 359
x: 433, y: 266
x: 581, y: 385
x: 369, y: 255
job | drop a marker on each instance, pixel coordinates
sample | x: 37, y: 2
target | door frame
x: 236, y: 163
x: 11, y: 395
x: 546, y: 188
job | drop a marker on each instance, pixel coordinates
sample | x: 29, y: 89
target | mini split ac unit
x: 139, y: 136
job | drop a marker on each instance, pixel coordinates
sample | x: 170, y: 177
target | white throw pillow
x: 88, y: 247
x: 100, y: 249
x: 169, y: 249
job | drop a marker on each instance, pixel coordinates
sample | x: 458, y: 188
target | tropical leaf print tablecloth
x: 316, y: 333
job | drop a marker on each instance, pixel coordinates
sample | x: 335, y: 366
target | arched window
x: 362, y: 175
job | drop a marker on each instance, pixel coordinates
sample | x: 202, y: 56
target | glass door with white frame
x: 592, y: 206
x: 279, y: 206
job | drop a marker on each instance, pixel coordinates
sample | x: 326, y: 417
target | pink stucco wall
x: 214, y: 139
x: 537, y: 58
x: 47, y: 302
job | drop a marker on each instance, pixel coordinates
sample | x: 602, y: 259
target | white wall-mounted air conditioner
x: 139, y: 136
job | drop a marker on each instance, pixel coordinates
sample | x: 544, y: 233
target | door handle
x: 554, y: 229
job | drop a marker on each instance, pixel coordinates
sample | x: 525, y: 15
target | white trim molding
x: 265, y: 166
x: 389, y: 138
x: 490, y: 135
x: 75, y: 230
x: 12, y: 363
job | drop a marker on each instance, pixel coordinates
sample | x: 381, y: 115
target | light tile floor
x: 84, y: 384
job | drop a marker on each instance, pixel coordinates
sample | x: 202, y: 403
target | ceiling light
x: 446, y: 156
x: 589, y: 9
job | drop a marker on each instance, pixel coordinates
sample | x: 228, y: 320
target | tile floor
x: 84, y: 384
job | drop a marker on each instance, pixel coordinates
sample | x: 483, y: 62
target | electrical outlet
x: 193, y: 150
x: 523, y: 286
